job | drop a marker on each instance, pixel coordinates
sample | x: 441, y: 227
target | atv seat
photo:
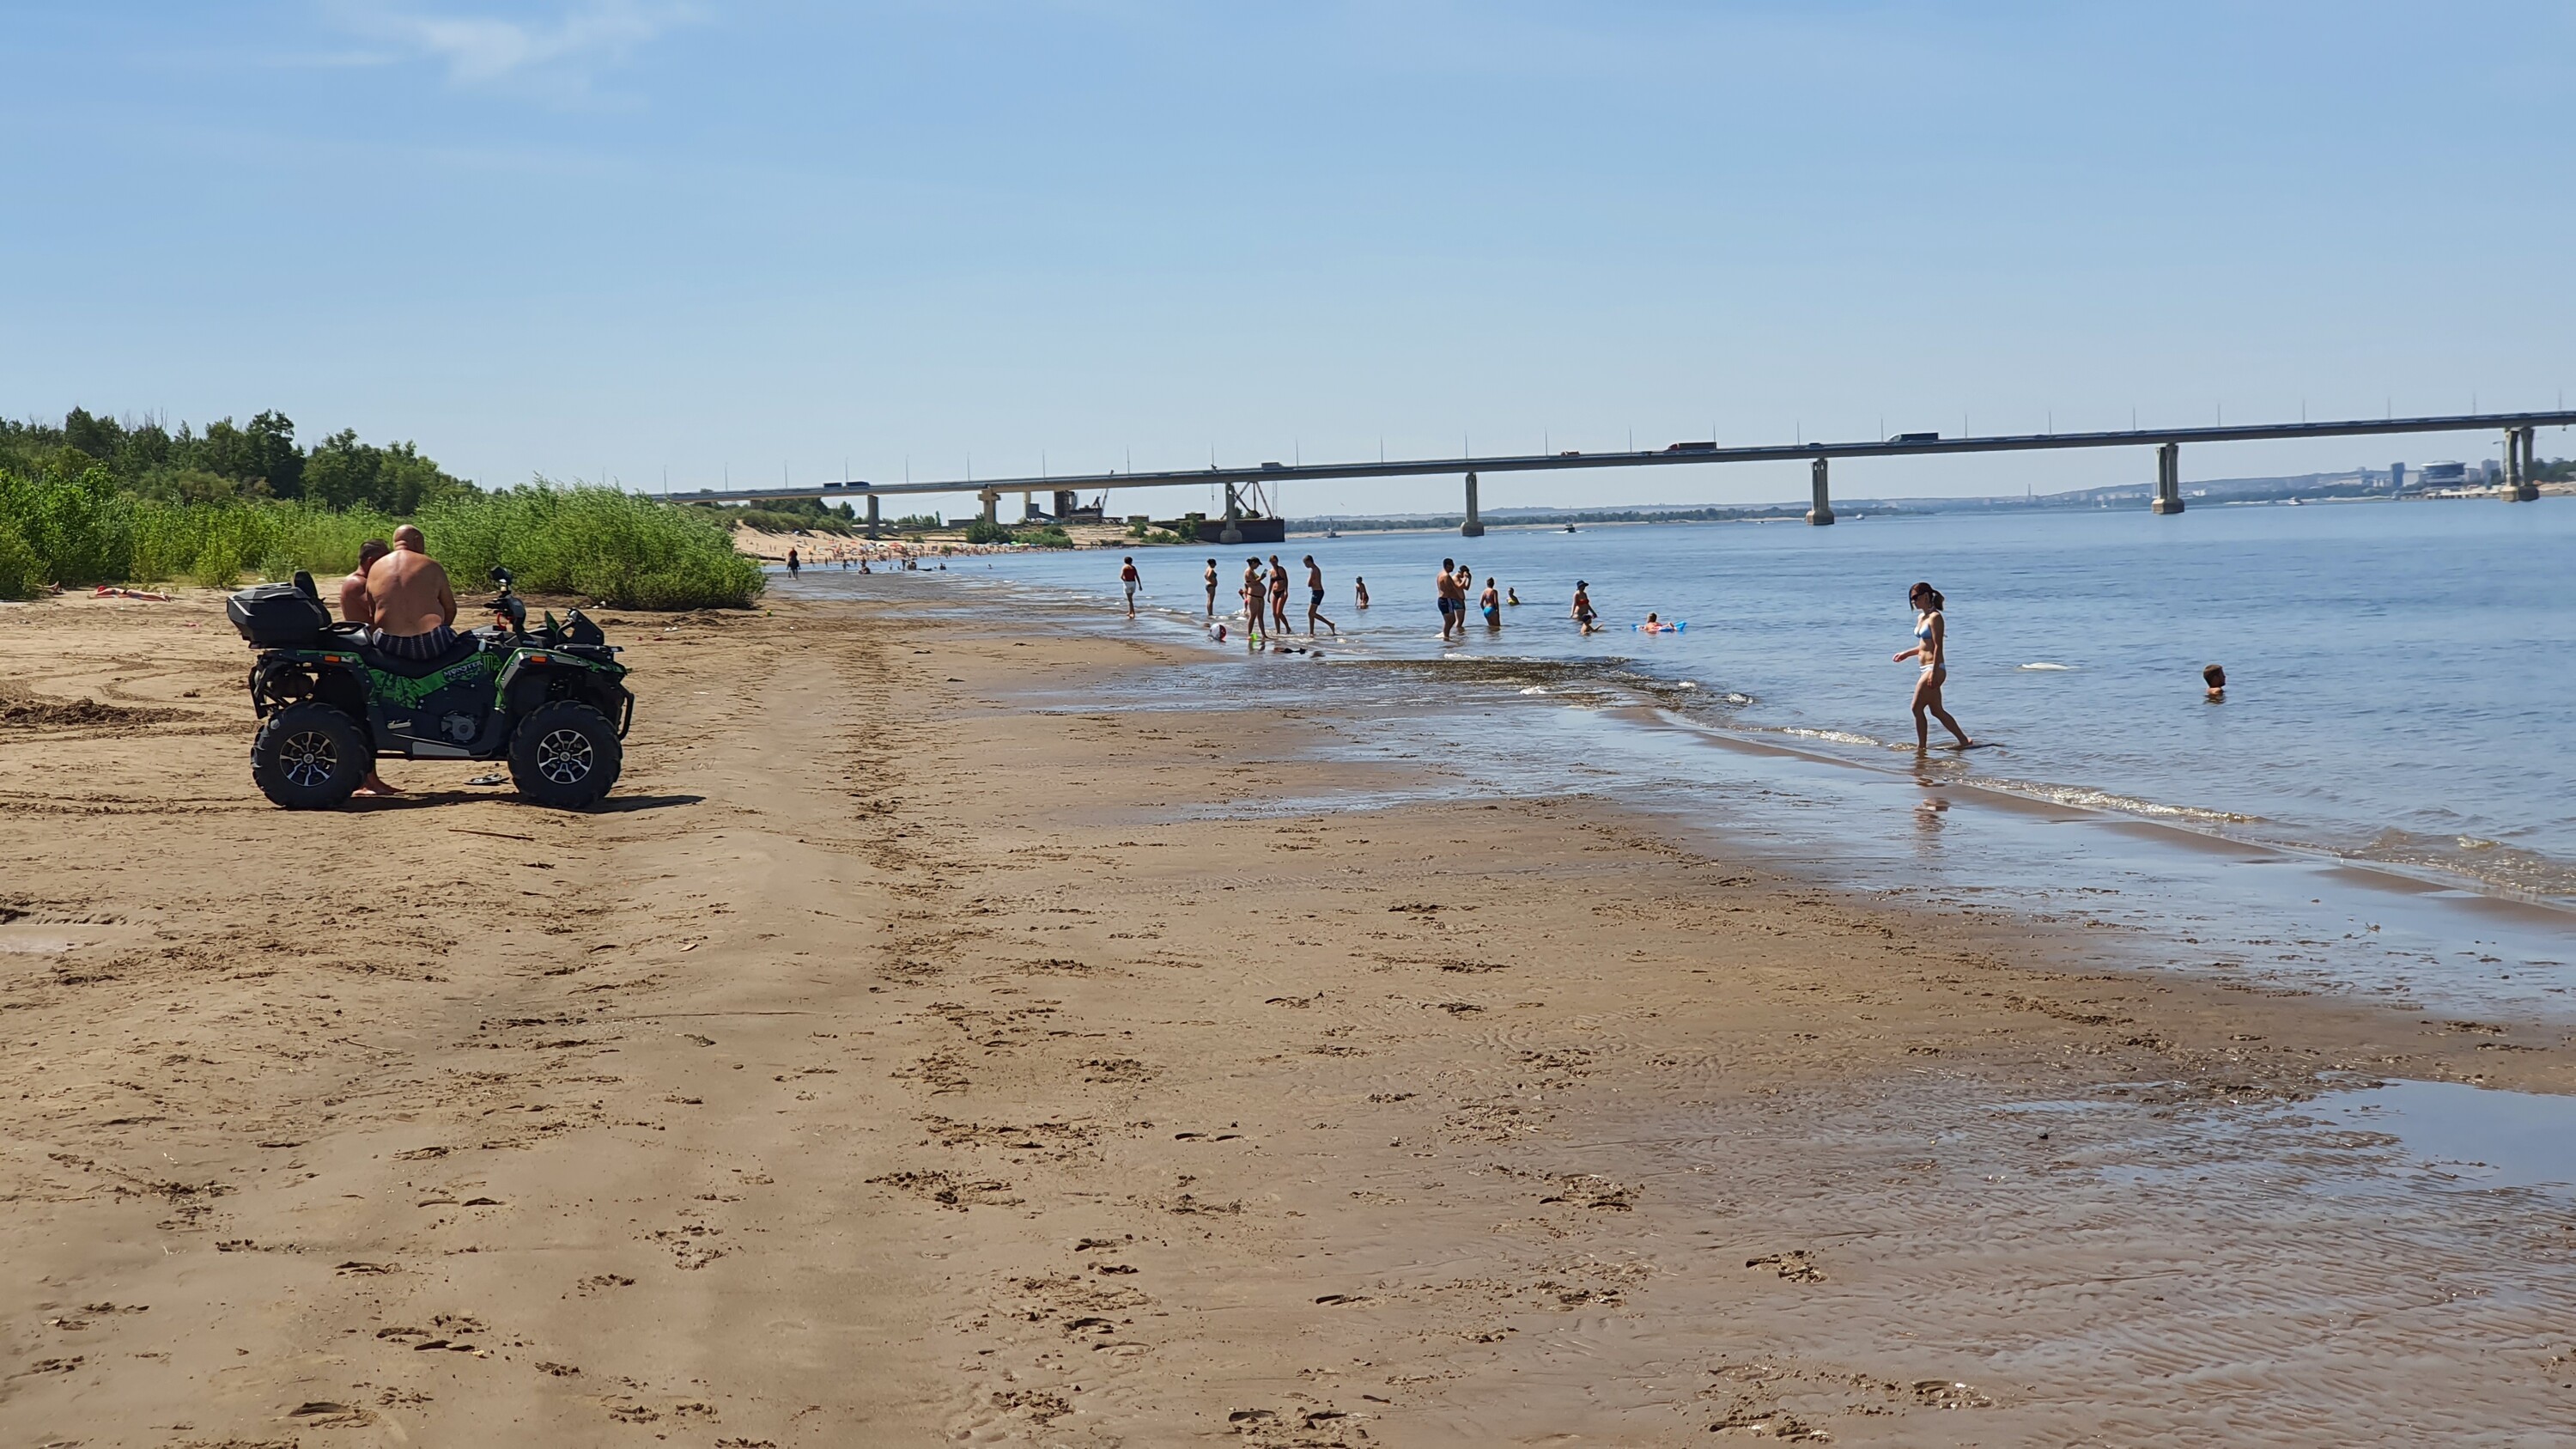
x: 465, y: 647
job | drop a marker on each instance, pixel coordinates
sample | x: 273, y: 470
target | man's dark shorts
x: 417, y: 646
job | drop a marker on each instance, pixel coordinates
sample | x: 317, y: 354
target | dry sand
x: 895, y: 1063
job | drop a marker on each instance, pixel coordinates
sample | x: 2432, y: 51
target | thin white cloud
x: 484, y: 49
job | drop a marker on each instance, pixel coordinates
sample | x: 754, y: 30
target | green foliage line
x: 602, y: 543
x: 598, y: 543
x: 228, y: 462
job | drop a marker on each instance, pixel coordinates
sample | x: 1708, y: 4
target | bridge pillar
x: 872, y: 515
x: 1233, y: 530
x: 2168, y: 479
x: 2519, y: 486
x: 1821, y: 511
x: 992, y: 502
x: 1474, y: 527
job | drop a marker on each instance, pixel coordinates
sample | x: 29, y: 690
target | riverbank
x: 971, y: 1022
x: 937, y: 543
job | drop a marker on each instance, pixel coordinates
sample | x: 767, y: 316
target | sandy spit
x: 898, y: 1061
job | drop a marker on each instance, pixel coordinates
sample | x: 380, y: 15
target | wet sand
x: 896, y: 1062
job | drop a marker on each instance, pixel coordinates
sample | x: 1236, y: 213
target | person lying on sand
x: 111, y: 591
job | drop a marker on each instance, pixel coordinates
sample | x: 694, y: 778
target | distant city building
x: 2396, y: 477
x: 2445, y: 475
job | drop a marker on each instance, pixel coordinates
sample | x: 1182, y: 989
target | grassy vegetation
x: 599, y: 543
x: 620, y: 548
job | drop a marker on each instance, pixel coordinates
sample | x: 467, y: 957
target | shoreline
x: 2271, y: 883
x: 1109, y: 1100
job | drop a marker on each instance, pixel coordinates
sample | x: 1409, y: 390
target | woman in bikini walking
x: 1931, y: 646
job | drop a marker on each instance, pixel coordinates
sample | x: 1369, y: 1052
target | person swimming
x: 2214, y: 678
x: 1655, y: 625
x: 1512, y: 597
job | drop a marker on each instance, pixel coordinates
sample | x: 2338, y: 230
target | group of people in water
x: 1264, y: 591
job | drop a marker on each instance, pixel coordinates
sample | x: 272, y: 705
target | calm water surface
x: 2399, y: 672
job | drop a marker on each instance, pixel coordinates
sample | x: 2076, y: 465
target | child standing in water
x: 1359, y: 590
x: 1931, y: 645
x: 1492, y: 605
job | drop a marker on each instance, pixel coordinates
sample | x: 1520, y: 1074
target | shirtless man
x: 415, y: 610
x: 355, y: 606
x: 1211, y: 583
x: 1453, y: 600
x: 1315, y: 598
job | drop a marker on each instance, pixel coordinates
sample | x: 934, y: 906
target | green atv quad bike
x: 552, y: 701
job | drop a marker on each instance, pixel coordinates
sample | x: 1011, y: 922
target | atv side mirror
x: 500, y: 576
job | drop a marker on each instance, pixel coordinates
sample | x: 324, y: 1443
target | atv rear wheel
x: 565, y: 754
x: 309, y: 756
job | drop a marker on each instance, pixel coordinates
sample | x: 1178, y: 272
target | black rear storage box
x: 277, y: 616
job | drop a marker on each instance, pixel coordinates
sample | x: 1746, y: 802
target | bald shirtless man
x: 415, y: 610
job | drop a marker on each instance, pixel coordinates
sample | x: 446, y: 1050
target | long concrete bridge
x: 2517, y: 430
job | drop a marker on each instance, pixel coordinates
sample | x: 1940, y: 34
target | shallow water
x: 2394, y: 690
x: 2467, y: 1134
x: 2218, y: 852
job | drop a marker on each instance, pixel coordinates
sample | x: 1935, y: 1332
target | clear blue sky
x: 620, y: 236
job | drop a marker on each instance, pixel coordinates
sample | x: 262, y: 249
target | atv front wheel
x: 309, y: 756
x: 565, y: 754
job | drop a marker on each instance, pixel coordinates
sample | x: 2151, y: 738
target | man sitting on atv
x: 414, y: 607
x: 355, y: 607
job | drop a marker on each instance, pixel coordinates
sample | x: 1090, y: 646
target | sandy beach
x: 928, y: 1044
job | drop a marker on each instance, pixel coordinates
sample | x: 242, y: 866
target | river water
x: 2398, y: 683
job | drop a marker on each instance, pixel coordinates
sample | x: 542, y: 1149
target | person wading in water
x: 1315, y: 598
x: 1931, y: 645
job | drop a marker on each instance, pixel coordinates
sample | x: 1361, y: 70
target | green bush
x: 1044, y: 538
x: 79, y: 527
x: 599, y: 543
x: 620, y: 548
x: 985, y: 531
x: 20, y: 576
